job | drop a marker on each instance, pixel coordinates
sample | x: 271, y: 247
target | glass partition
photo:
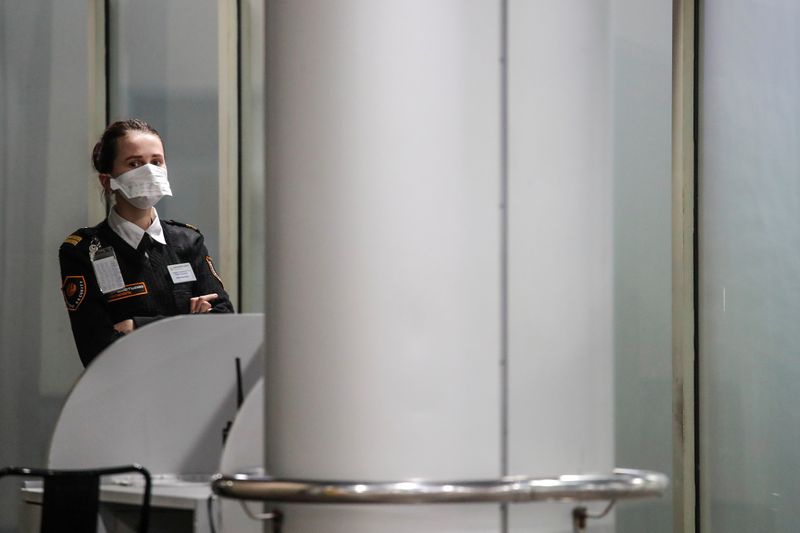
x: 45, y: 117
x: 640, y: 47
x: 590, y: 111
x: 164, y: 68
x: 749, y: 266
x: 251, y: 91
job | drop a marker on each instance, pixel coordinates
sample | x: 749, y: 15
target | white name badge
x: 106, y: 270
x: 181, y: 273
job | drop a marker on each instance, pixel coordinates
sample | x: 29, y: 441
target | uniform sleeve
x: 208, y: 279
x: 88, y: 310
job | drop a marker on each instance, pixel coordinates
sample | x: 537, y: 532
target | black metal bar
x: 144, y: 513
x: 696, y: 260
x: 239, y: 388
x: 239, y: 152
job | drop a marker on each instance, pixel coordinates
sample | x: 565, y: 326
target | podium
x: 161, y: 397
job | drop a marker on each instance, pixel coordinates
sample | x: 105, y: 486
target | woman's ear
x: 104, y: 182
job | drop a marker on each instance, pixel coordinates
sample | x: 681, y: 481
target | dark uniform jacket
x: 149, y: 293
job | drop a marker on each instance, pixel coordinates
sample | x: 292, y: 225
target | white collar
x: 131, y: 233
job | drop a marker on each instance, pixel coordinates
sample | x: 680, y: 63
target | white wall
x: 44, y: 168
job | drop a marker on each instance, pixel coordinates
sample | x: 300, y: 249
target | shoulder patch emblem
x: 73, y: 239
x: 214, y: 270
x: 74, y: 290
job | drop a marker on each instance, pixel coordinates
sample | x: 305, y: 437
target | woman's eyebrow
x: 142, y: 156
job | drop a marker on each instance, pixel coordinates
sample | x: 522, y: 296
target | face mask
x: 143, y: 186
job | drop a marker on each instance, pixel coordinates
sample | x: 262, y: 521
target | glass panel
x: 750, y: 266
x: 641, y: 69
x: 590, y: 148
x: 45, y: 118
x: 252, y: 149
x: 164, y: 68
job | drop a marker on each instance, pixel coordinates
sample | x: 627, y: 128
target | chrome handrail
x: 621, y: 484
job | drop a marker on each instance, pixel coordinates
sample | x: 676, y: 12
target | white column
x: 560, y: 248
x: 383, y: 293
x: 385, y: 305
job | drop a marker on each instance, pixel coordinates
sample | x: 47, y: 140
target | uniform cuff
x: 139, y: 321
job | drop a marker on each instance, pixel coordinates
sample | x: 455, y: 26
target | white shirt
x: 131, y: 233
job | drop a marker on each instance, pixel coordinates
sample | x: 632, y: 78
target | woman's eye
x: 134, y: 164
x: 157, y: 162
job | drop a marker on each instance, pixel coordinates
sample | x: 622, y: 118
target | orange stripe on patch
x: 128, y: 291
x: 214, y: 270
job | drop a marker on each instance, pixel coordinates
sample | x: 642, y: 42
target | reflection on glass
x: 641, y: 69
x: 164, y: 69
x: 252, y: 153
x: 750, y: 267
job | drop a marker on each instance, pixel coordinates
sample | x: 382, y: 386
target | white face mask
x: 143, y: 186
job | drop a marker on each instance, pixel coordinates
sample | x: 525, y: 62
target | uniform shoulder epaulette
x: 73, y: 239
x: 182, y: 224
x: 80, y: 235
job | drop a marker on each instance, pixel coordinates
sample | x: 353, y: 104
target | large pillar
x: 560, y: 272
x: 384, y: 245
x: 400, y: 290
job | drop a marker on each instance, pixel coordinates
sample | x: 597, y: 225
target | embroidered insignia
x: 184, y: 224
x: 73, y: 239
x: 74, y: 290
x: 214, y: 270
x: 128, y: 291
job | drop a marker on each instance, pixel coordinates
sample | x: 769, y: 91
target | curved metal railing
x: 621, y: 484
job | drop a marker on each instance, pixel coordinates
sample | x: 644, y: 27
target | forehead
x: 138, y: 143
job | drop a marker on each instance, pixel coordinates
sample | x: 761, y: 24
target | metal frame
x: 97, y: 101
x: 251, y: 157
x: 229, y: 145
x: 97, y: 473
x: 228, y: 135
x: 684, y: 326
x: 621, y: 484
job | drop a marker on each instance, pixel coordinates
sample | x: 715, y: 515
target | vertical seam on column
x: 504, y: 389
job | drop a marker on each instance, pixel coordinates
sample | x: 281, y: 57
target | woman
x: 134, y: 268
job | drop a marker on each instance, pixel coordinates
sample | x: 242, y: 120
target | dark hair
x: 106, y: 148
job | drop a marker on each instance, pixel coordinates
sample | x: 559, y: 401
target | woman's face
x: 135, y: 149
